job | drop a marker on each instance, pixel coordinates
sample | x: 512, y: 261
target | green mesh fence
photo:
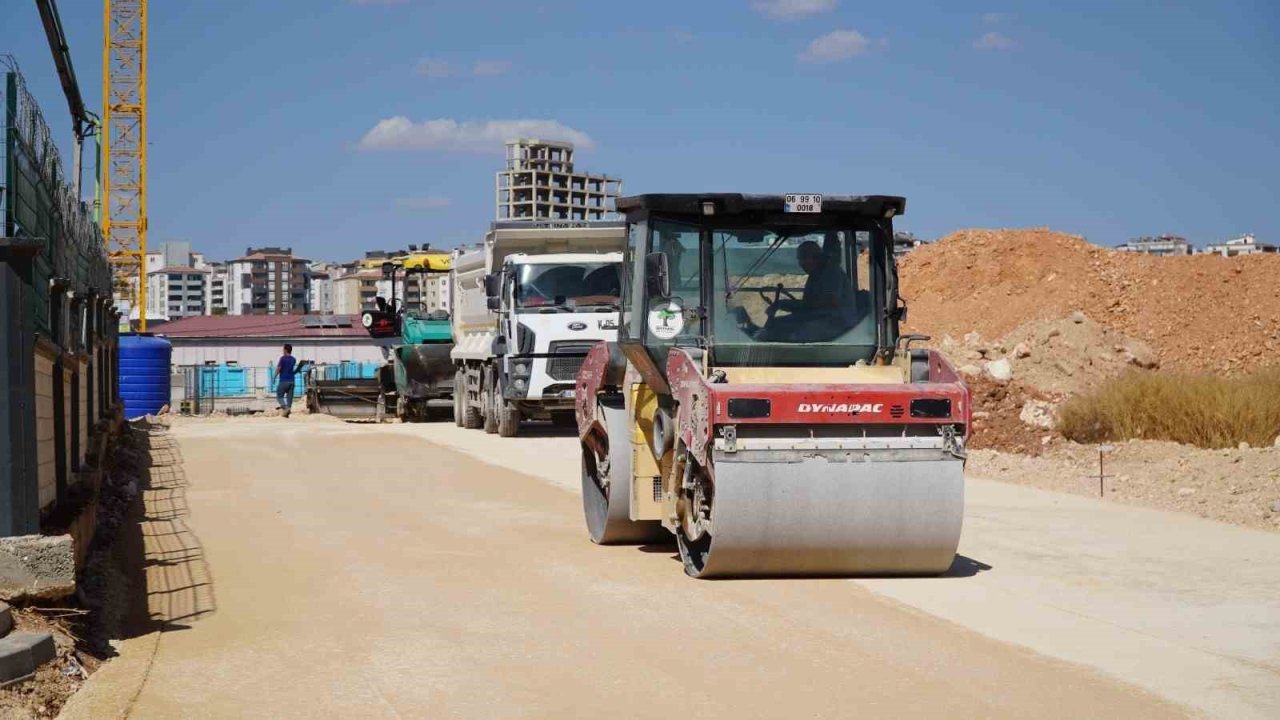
x: 36, y: 202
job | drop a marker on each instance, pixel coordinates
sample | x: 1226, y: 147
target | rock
x: 972, y: 338
x: 37, y: 567
x: 1077, y: 317
x: 1186, y: 492
x: 980, y: 414
x: 971, y: 370
x: 1276, y: 444
x: 1022, y: 350
x: 1243, y: 446
x: 1000, y: 370
x: 1275, y: 506
x: 1039, y: 414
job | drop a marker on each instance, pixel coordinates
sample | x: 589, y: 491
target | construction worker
x: 825, y: 310
x: 287, y: 368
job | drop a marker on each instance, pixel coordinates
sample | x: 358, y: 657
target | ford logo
x: 577, y: 326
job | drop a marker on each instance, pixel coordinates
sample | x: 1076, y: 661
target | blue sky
x: 1107, y: 119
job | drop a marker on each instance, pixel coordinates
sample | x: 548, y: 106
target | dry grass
x: 1203, y: 410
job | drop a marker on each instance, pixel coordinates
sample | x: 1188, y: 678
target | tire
x: 508, y: 418
x: 471, y: 418
x: 490, y: 402
x: 459, y: 392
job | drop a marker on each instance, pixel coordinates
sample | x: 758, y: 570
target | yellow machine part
x: 429, y: 262
x: 647, y: 471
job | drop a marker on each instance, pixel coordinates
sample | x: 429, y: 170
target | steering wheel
x: 778, y: 292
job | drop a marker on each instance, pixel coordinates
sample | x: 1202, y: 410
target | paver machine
x: 760, y: 404
x: 421, y: 367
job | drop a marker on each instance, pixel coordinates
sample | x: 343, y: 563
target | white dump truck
x: 529, y: 303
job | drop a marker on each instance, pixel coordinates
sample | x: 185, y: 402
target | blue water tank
x: 144, y: 373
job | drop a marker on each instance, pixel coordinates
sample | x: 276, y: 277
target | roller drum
x: 816, y: 516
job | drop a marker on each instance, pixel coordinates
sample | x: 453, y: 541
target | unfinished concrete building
x: 540, y: 183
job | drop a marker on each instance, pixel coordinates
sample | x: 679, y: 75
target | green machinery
x: 421, y: 365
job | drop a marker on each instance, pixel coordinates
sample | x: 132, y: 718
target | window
x: 678, y: 315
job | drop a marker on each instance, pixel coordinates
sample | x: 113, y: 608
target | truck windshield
x: 568, y: 286
x: 792, y: 295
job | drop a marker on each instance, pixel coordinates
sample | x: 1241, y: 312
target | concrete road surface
x: 310, y: 568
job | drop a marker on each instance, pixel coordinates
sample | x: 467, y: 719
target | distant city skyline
x: 359, y: 124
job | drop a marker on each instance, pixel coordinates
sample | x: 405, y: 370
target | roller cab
x: 760, y: 404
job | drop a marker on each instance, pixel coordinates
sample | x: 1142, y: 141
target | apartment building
x: 1245, y: 244
x: 541, y: 183
x: 268, y: 281
x: 176, y: 292
x: 1161, y: 245
x: 217, y: 291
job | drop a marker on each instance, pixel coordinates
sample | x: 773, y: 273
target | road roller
x: 759, y: 403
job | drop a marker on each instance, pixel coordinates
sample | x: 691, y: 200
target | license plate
x: 803, y: 203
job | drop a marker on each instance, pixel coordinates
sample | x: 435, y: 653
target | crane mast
x: 124, y: 150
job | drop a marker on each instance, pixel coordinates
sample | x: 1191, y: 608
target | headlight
x: 521, y: 368
x: 519, y: 384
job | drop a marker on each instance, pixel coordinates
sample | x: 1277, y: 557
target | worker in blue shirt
x: 286, y: 369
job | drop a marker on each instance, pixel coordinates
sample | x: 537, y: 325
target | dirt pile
x: 1196, y: 313
x: 1057, y: 357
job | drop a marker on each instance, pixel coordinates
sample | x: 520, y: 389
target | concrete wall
x: 83, y: 369
x: 45, y: 449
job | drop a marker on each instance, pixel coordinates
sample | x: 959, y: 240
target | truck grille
x: 566, y: 367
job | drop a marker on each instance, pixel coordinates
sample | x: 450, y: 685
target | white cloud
x: 792, y: 9
x: 994, y: 41
x: 835, y: 46
x: 426, y: 202
x: 994, y: 18
x: 491, y: 67
x: 427, y: 67
x: 469, y: 136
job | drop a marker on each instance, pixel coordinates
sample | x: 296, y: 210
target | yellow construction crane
x: 124, y: 149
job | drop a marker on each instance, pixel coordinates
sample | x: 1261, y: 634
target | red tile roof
x: 275, y: 326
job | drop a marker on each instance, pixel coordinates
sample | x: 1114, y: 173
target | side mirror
x: 657, y: 277
x: 493, y: 285
x: 493, y: 302
x: 388, y: 269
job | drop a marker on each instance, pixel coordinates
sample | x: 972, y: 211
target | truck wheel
x: 459, y: 392
x: 491, y: 404
x: 508, y: 418
x: 471, y: 419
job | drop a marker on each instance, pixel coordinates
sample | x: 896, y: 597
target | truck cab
x: 530, y: 304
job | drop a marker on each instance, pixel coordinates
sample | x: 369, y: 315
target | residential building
x: 172, y: 258
x: 1245, y: 244
x: 176, y: 292
x: 1161, y: 245
x: 355, y: 291
x: 435, y: 292
x: 540, y: 183
x: 217, y: 289
x: 323, y: 275
x: 905, y: 242
x: 268, y: 281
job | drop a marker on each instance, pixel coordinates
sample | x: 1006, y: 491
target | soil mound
x: 1201, y: 312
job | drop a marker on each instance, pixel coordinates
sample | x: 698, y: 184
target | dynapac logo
x: 853, y: 408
